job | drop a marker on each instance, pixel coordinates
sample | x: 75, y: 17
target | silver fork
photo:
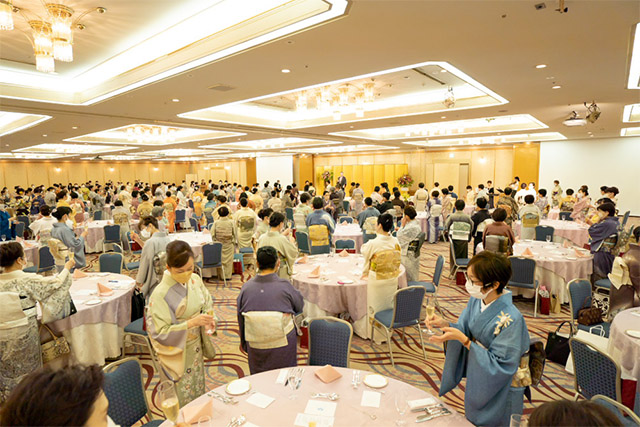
x: 299, y: 379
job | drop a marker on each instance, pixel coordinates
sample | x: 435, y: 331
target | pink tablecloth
x: 349, y: 412
x: 469, y: 210
x: 422, y: 217
x: 576, y: 233
x: 554, y: 214
x: 95, y: 233
x: 196, y: 240
x: 626, y: 349
x: 349, y: 232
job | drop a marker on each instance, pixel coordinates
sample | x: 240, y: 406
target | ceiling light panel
x: 15, y: 122
x: 71, y: 149
x: 181, y: 152
x: 631, y: 113
x: 245, y: 155
x: 118, y: 158
x: 630, y: 131
x: 517, y: 122
x: 634, y: 66
x: 30, y: 156
x: 340, y: 149
x: 181, y: 159
x: 272, y: 143
x: 488, y: 140
x: 151, y: 135
x: 378, y: 95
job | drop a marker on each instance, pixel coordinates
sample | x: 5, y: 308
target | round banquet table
x: 95, y: 332
x: 95, y: 233
x: 196, y: 240
x: 349, y: 412
x: 553, y: 213
x: 623, y: 348
x: 574, y: 232
x: 349, y: 232
x: 324, y: 296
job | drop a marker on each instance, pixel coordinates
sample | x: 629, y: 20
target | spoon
x: 330, y: 396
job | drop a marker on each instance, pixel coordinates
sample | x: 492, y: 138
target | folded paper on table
x: 192, y: 413
x: 344, y: 253
x: 260, y: 400
x: 303, y: 260
x: 282, y: 376
x: 579, y: 253
x: 527, y: 252
x: 327, y: 374
x: 420, y: 403
x: 566, y: 244
x: 315, y: 273
x: 104, y: 291
x: 370, y: 399
x: 79, y: 274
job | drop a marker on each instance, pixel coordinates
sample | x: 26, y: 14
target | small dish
x: 572, y: 258
x: 375, y: 381
x: 238, y: 387
x: 92, y: 302
x: 632, y: 333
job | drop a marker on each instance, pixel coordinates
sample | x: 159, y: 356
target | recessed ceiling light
x: 443, y: 71
x: 44, y: 134
x: 74, y: 127
x: 175, y: 100
x: 285, y: 70
x: 541, y: 66
x: 556, y: 87
x: 443, y: 117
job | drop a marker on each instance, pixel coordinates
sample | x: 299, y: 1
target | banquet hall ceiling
x: 494, y: 44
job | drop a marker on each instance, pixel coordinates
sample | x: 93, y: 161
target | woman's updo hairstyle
x: 178, y: 253
x: 386, y: 221
x: 9, y: 253
x: 60, y: 212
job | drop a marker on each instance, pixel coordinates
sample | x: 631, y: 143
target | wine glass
x: 292, y: 380
x: 402, y: 405
x: 431, y: 310
x: 548, y: 237
x: 169, y: 401
x: 210, y: 329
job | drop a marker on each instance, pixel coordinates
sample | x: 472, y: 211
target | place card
x: 282, y: 376
x: 318, y: 407
x: 371, y: 399
x: 304, y: 420
x: 260, y: 400
x: 419, y: 403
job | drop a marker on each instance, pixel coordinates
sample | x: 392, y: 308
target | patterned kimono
x: 20, y: 352
x: 602, y: 256
x: 358, y: 200
x: 180, y: 350
x: 382, y: 265
x: 411, y: 263
x: 246, y: 222
x: 224, y: 231
x: 287, y: 251
x: 543, y: 204
x: 421, y: 198
x: 170, y: 207
x: 581, y: 208
x: 434, y: 220
x: 499, y: 338
x: 147, y: 274
x: 556, y: 196
x: 300, y: 215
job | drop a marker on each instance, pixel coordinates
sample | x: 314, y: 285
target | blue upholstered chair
x: 212, y: 258
x: 565, y: 216
x: 542, y: 231
x: 110, y: 262
x: 302, y: 239
x: 111, y: 235
x: 346, y: 219
x: 130, y: 266
x: 97, y: 215
x: 432, y: 287
x: 19, y: 227
x: 595, y: 372
x: 181, y: 217
x: 456, y: 263
x: 329, y: 342
x: 524, y: 276
x: 625, y: 415
x: 45, y: 262
x: 348, y: 244
x: 368, y: 236
x: 580, y: 297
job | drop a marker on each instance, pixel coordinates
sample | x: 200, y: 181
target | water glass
x: 402, y: 405
x: 293, y: 383
x: 3, y: 237
x: 518, y: 420
x: 548, y: 238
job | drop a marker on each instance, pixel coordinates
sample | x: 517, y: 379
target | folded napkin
x: 343, y: 253
x: 344, y: 223
x: 303, y: 260
x: 192, y: 413
x: 327, y: 374
x: 579, y: 253
x: 315, y: 273
x: 79, y: 274
x: 104, y: 291
x: 27, y: 244
x: 566, y: 244
x: 527, y: 252
x: 19, y: 239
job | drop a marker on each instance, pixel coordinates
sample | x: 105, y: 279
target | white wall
x: 275, y: 168
x: 594, y: 162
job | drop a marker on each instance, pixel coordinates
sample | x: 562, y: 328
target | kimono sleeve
x: 51, y: 290
x: 161, y: 326
x: 455, y: 364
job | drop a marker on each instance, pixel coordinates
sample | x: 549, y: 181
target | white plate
x: 632, y: 333
x: 92, y: 302
x: 376, y: 381
x: 238, y: 387
x: 345, y: 281
x: 572, y: 258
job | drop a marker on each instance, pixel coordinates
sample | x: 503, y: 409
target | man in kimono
x: 376, y: 196
x: 368, y: 212
x: 486, y: 345
x: 358, y: 199
x: 246, y: 221
x: 224, y: 231
x: 320, y: 217
x: 459, y: 226
x: 530, y: 218
x: 301, y: 213
x: 420, y: 198
x: 283, y: 243
x: 602, y: 242
x: 155, y: 244
x: 408, y: 232
x: 556, y: 194
x: 266, y: 307
x: 434, y: 220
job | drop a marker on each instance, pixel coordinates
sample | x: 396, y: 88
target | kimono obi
x: 247, y: 223
x: 13, y: 320
x: 435, y: 210
x: 224, y: 234
x: 358, y: 197
x: 168, y: 207
x: 386, y: 264
x: 522, y: 377
x: 121, y: 219
x: 460, y: 230
x: 299, y: 220
x: 369, y: 225
x: 267, y: 329
x: 319, y: 235
x: 530, y: 220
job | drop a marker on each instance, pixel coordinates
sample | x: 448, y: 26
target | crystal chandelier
x: 146, y: 134
x: 346, y: 99
x: 51, y: 37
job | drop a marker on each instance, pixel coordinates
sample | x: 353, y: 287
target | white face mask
x: 69, y: 223
x: 474, y: 291
x: 145, y: 233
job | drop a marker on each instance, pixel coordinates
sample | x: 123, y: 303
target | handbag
x: 557, y: 348
x: 589, y: 316
x: 55, y: 348
x: 137, y: 304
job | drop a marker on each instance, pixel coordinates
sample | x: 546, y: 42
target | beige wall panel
x: 446, y: 174
x: 127, y: 172
x: 155, y: 174
x: 59, y: 176
x: 482, y: 167
x: 15, y: 174
x: 142, y: 171
x: 37, y: 174
x: 503, y: 168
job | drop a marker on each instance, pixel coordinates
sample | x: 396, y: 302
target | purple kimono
x: 602, y: 257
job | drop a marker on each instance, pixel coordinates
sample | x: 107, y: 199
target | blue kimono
x: 602, y: 256
x: 499, y: 339
x: 6, y: 228
x: 66, y: 235
x: 434, y: 220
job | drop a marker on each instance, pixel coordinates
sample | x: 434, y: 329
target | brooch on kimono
x: 503, y: 321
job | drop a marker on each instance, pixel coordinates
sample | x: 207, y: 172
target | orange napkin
x: 303, y: 260
x: 344, y: 253
x: 579, y: 253
x: 344, y: 223
x: 19, y: 239
x: 104, y: 291
x: 527, y: 252
x: 79, y: 274
x: 27, y: 244
x: 192, y: 413
x: 566, y: 244
x: 327, y: 374
x: 315, y: 273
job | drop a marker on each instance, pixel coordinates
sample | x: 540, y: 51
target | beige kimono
x: 287, y: 251
x: 246, y: 222
x: 224, y: 231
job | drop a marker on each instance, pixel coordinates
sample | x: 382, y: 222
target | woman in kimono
x: 581, y: 207
x: 224, y: 231
x: 283, y: 242
x: 382, y: 267
x: 447, y: 204
x: 556, y: 194
x: 409, y: 231
x: 246, y: 221
x: 434, y: 220
x: 155, y: 244
x: 180, y: 320
x: 63, y: 231
x: 170, y: 206
x: 486, y: 345
x: 20, y: 352
x: 601, y: 240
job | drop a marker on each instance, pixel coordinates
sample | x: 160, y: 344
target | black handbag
x: 557, y: 348
x: 137, y: 304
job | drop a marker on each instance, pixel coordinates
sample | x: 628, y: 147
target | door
x: 463, y: 178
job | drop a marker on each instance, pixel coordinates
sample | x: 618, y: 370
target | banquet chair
x: 625, y: 218
x: 595, y: 372
x: 181, y: 218
x: 580, y: 297
x: 565, y: 216
x: 289, y: 215
x: 45, y: 262
x: 523, y: 276
x: 456, y: 263
x: 345, y: 205
x: 345, y: 218
x: 432, y: 287
x: 368, y: 236
x: 212, y: 258
x: 25, y: 220
x: 542, y: 231
x: 407, y: 305
x: 129, y: 266
x: 111, y: 235
x: 194, y: 224
x: 329, y: 342
x: 346, y: 244
x: 124, y: 388
x: 19, y: 227
x: 625, y: 415
x: 302, y: 239
x: 131, y: 242
x: 110, y: 262
x: 97, y: 215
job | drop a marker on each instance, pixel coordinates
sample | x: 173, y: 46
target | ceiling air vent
x: 221, y: 87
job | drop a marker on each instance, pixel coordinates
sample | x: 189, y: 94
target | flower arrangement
x: 405, y: 180
x: 327, y: 176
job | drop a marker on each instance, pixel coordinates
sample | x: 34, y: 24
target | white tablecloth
x: 349, y: 232
x: 576, y: 233
x: 622, y: 347
x: 196, y: 240
x: 95, y: 235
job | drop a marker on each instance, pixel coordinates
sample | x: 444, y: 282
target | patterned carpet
x: 410, y: 367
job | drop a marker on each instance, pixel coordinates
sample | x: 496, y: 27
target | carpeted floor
x: 410, y: 366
